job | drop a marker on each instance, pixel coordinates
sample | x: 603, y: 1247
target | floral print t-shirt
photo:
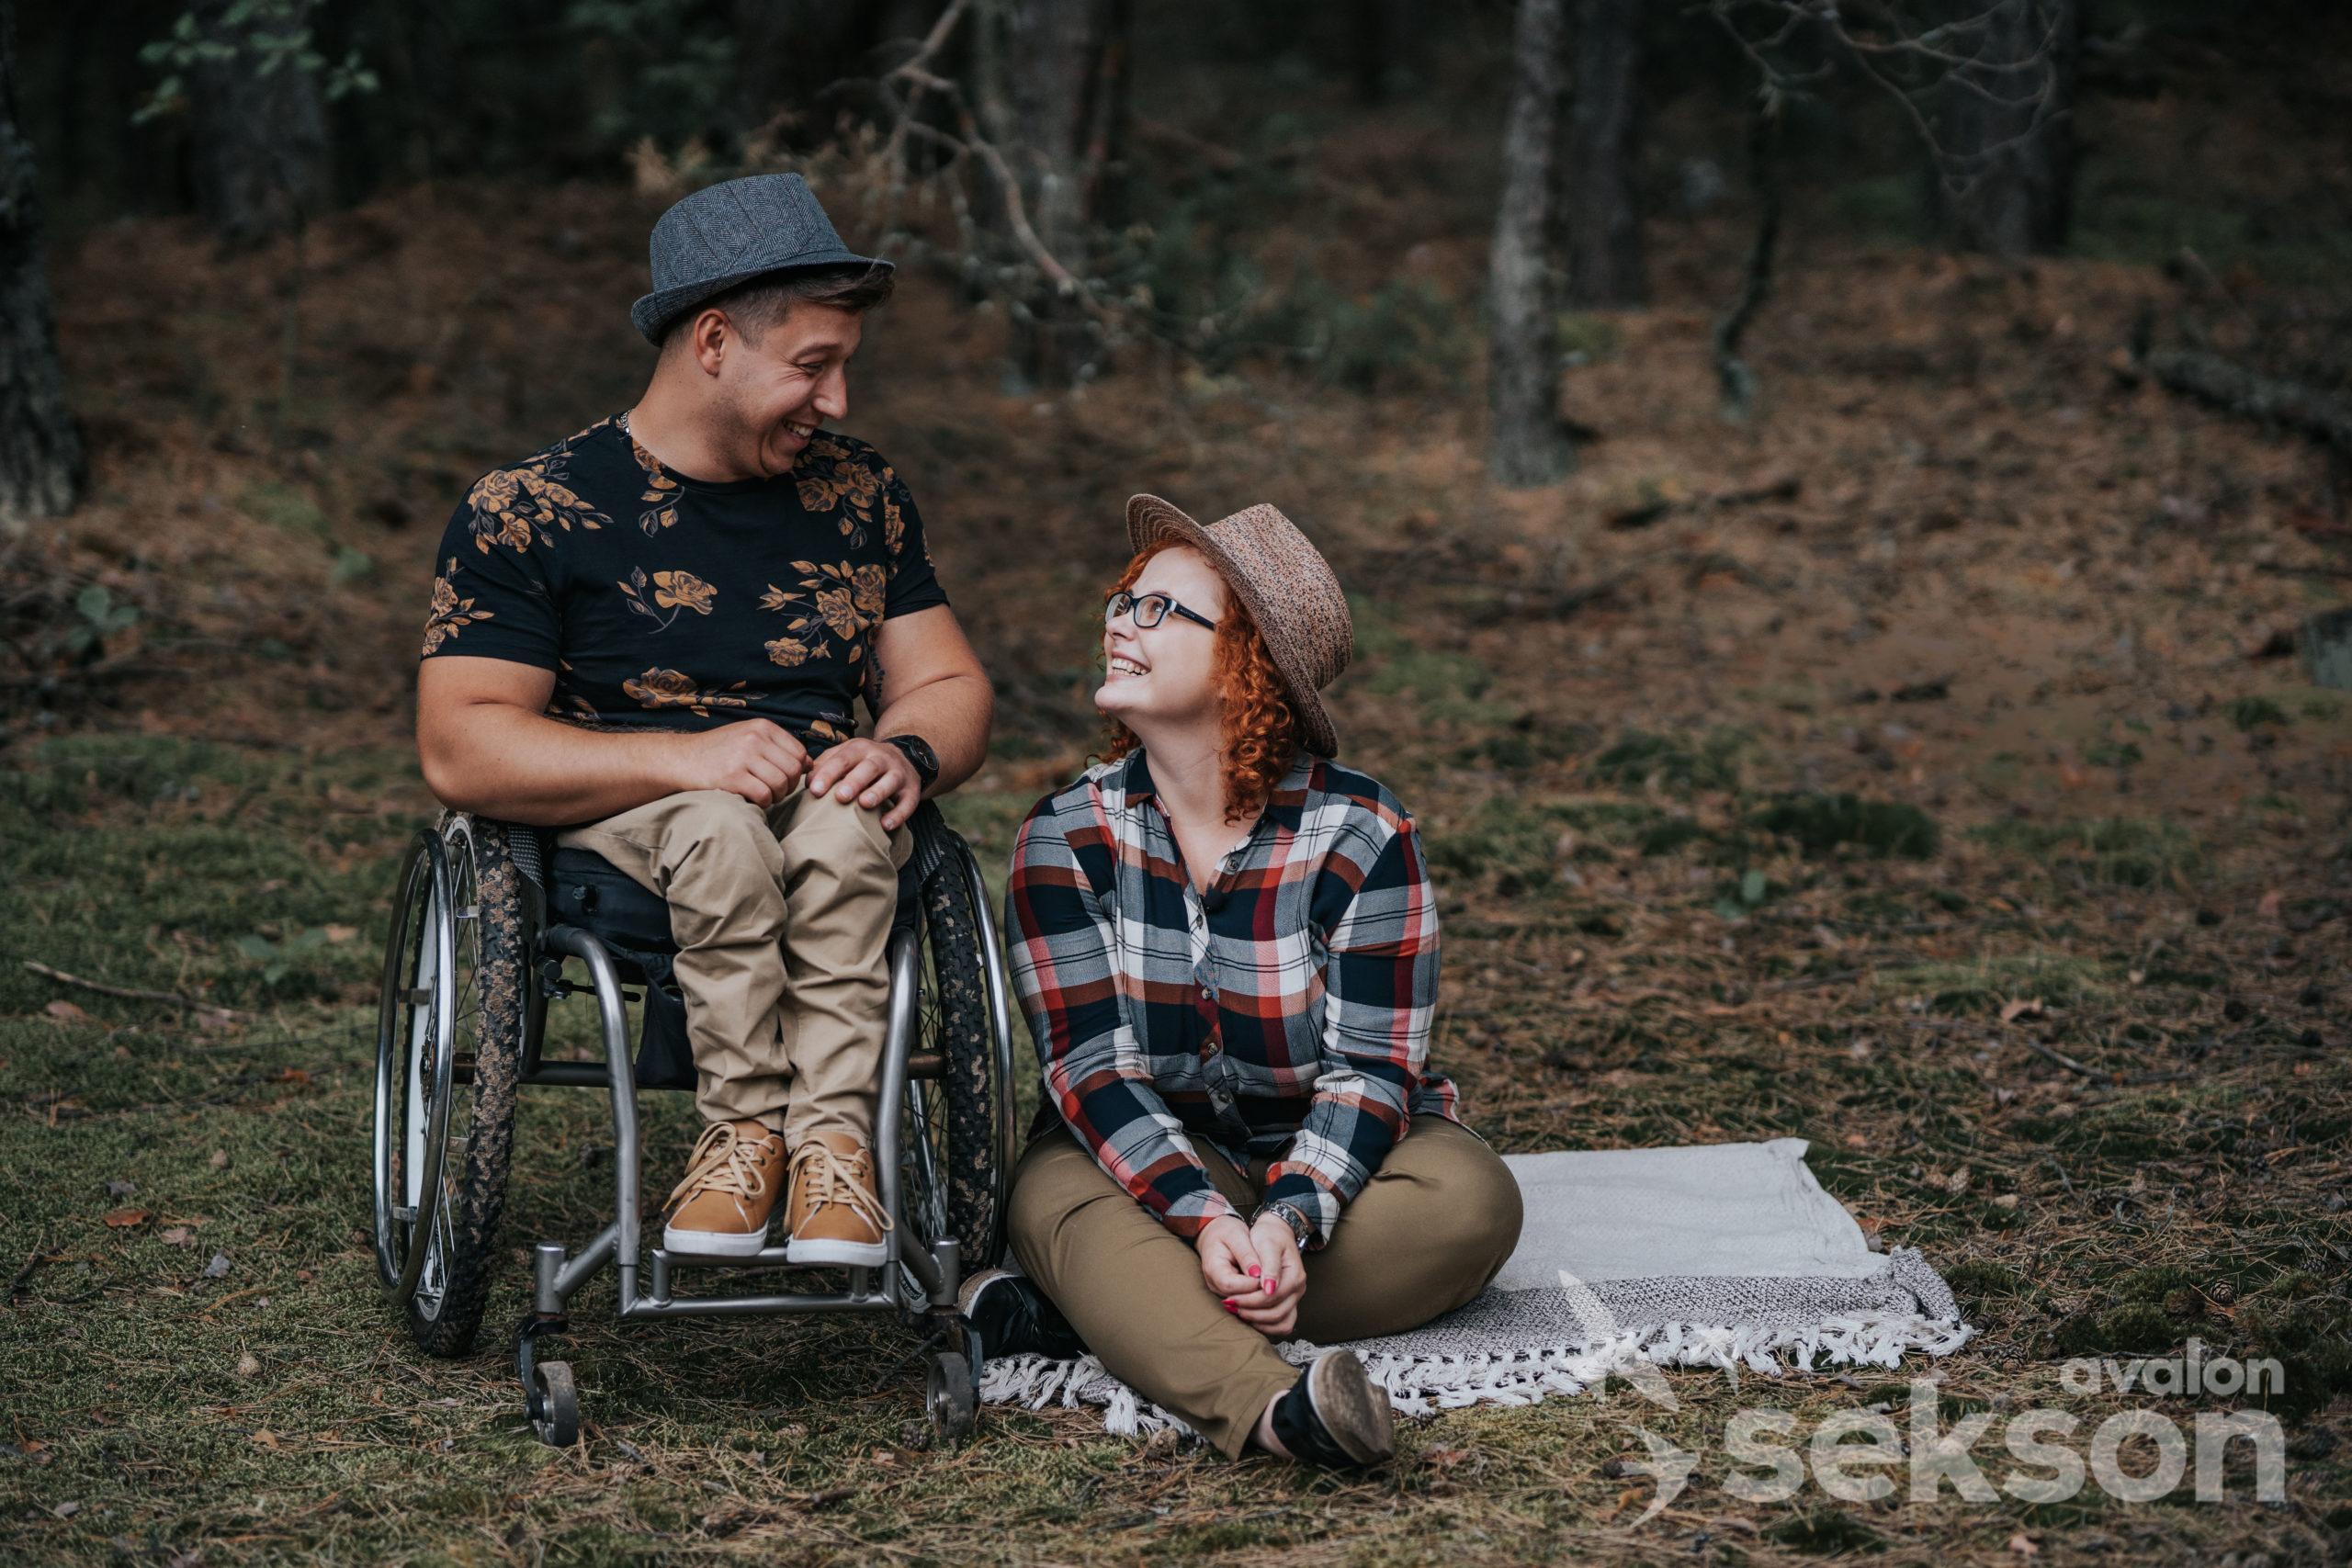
x: 667, y: 602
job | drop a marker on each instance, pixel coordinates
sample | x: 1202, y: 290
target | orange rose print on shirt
x: 677, y: 591
x: 450, y: 614
x: 672, y: 689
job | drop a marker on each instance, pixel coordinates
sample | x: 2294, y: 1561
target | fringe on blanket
x: 1422, y: 1386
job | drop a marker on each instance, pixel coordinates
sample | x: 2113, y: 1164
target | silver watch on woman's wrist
x: 1302, y: 1229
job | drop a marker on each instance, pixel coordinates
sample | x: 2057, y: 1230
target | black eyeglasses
x: 1151, y: 609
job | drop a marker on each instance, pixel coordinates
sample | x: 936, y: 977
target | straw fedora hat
x: 1287, y: 587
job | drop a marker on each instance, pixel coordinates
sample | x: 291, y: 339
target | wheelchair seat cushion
x: 586, y: 890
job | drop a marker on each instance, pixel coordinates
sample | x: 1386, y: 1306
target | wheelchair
x: 488, y: 923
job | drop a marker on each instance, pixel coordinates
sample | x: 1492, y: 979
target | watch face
x: 919, y: 752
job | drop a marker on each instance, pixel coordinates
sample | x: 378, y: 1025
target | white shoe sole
x: 713, y: 1244
x: 967, y: 1295
x: 846, y: 1254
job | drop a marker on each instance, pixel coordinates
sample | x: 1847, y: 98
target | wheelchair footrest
x: 662, y: 1267
x: 663, y: 1258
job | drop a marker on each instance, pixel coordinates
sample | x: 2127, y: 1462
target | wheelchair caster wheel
x: 558, y: 1422
x: 949, y: 1395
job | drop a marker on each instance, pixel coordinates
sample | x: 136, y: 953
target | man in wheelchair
x: 649, y: 637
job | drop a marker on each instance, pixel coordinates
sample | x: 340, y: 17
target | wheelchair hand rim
x: 401, y: 1273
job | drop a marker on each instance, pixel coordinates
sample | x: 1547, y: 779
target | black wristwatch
x: 918, y: 751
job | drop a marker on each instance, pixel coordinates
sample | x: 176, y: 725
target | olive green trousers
x: 1426, y: 1233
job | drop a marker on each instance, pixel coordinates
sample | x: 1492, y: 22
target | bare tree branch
x: 916, y: 74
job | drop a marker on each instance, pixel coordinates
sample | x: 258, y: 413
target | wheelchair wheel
x: 556, y: 1416
x: 957, y: 1156
x: 450, y: 1047
x: 950, y: 1395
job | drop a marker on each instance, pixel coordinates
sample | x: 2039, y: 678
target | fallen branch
x: 2217, y: 383
x: 39, y: 1256
x: 132, y: 993
x: 2097, y: 1073
x: 219, y: 1303
x: 1642, y: 515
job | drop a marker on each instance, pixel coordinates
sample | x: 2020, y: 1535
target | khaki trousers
x: 782, y: 917
x: 1434, y: 1224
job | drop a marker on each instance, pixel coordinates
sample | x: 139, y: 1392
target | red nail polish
x: 1253, y: 1271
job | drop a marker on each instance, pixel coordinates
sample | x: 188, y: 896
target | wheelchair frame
x: 420, y: 971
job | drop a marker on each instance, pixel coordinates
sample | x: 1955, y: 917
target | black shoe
x: 1334, y: 1417
x: 1009, y: 1315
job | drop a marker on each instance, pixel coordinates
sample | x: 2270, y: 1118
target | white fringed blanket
x: 1725, y: 1255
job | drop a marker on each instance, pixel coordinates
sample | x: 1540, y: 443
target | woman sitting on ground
x: 1227, y: 949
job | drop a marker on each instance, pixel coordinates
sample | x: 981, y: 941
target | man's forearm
x: 952, y: 715
x: 508, y: 762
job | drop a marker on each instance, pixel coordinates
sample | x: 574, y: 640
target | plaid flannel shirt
x: 1283, y: 1015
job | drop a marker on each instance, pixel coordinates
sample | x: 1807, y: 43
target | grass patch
x: 1881, y: 206
x: 1983, y: 984
x: 1447, y: 687
x: 1821, y: 823
x: 1586, y: 338
x: 2113, y: 753
x: 2253, y: 713
x: 1825, y: 1532
x: 1521, y: 844
x: 1432, y: 677
x: 1526, y: 745
x: 2118, y: 218
x: 285, y: 508
x: 70, y: 775
x: 2122, y: 851
x: 1678, y: 763
x: 245, y: 878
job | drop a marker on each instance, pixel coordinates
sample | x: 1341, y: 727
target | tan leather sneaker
x: 834, y: 1215
x: 733, y: 1178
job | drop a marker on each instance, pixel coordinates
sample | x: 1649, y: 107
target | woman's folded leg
x: 1133, y: 1290
x: 1435, y: 1222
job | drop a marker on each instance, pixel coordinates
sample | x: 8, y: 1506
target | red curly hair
x: 1259, y: 735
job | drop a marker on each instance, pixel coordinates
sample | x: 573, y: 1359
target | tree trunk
x: 41, y: 449
x: 1061, y: 100
x: 2005, y: 131
x: 1732, y: 373
x: 1386, y: 40
x: 1530, y: 444
x: 257, y: 143
x: 1598, y: 192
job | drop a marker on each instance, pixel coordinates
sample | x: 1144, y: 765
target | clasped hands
x: 763, y: 762
x: 1255, y: 1271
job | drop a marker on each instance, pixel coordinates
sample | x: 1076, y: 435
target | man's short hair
x: 761, y: 305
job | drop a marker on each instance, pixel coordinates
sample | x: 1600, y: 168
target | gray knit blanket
x: 1726, y: 1256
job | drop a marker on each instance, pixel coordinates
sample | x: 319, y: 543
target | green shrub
x: 1822, y: 823
x: 2125, y: 852
x: 2253, y: 713
x: 1712, y: 762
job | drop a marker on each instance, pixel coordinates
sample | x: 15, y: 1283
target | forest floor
x: 2061, y: 1002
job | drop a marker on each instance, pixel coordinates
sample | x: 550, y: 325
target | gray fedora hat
x: 732, y: 232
